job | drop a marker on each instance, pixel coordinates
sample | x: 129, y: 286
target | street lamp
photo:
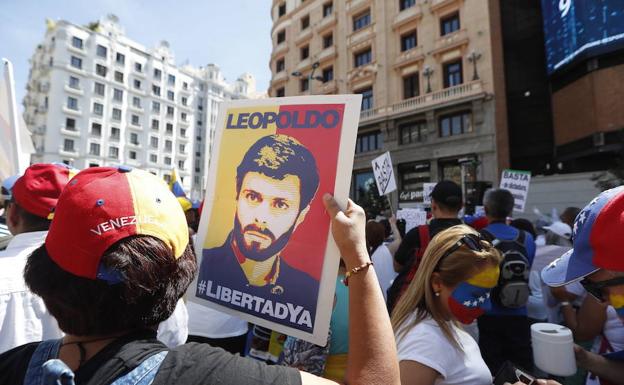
x: 315, y: 65
x: 473, y: 57
x: 428, y: 72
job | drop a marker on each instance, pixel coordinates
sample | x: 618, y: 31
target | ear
x: 302, y: 215
x: 436, y: 282
x: 12, y: 216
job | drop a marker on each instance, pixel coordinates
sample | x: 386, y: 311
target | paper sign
x: 412, y: 217
x: 264, y: 244
x: 517, y: 182
x: 427, y: 189
x: 384, y: 174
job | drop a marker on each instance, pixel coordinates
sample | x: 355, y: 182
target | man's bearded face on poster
x: 276, y: 181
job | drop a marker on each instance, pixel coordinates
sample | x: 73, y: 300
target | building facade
x: 97, y: 98
x: 428, y: 74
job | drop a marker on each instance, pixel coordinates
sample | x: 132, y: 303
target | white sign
x: 517, y: 182
x: 413, y: 218
x: 384, y: 174
x: 427, y: 189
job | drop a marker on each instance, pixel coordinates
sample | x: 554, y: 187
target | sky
x: 233, y: 34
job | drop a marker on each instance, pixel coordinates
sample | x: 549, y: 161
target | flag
x: 175, y: 185
x: 16, y: 146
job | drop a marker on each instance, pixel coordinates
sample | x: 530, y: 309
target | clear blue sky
x: 234, y: 34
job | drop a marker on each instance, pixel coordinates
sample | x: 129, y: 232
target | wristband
x: 564, y: 303
x: 354, y: 271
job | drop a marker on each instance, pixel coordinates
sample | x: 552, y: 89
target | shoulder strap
x: 46, y: 350
x: 145, y: 373
x: 488, y: 235
x: 425, y: 237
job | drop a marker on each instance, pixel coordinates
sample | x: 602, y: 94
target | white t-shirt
x: 174, y: 330
x: 383, y: 267
x: 426, y: 343
x: 210, y: 323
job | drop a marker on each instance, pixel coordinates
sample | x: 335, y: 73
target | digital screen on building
x: 579, y: 29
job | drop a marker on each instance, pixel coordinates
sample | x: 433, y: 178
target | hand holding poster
x: 266, y: 250
x: 384, y: 174
x: 427, y: 189
x: 412, y: 217
x: 517, y: 182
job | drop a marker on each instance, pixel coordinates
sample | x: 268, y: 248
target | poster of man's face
x: 264, y: 233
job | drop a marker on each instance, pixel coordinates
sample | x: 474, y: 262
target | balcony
x: 280, y: 48
x: 75, y: 91
x: 450, y: 41
x: 361, y: 35
x: 410, y: 56
x: 455, y: 94
x: 72, y: 112
x: 326, y: 23
x: 304, y: 35
x: 438, y: 4
x: 74, y: 132
x: 330, y: 87
x: 328, y: 53
x: 67, y: 152
x: 408, y: 15
x: 279, y: 77
x: 355, y: 5
x: 364, y: 71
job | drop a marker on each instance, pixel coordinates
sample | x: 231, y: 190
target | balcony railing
x: 407, y: 15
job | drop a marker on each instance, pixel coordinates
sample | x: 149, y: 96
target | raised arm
x: 396, y: 234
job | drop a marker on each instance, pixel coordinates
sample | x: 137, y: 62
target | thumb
x: 331, y: 205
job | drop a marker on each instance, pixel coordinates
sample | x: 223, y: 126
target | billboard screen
x: 578, y: 29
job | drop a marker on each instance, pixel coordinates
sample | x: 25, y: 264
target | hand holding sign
x: 384, y: 174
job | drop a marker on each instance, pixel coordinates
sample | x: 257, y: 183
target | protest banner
x: 412, y: 217
x: 384, y: 174
x: 427, y: 189
x: 264, y: 244
x: 517, y: 182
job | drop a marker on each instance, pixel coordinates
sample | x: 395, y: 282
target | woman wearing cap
x: 452, y: 284
x: 116, y: 261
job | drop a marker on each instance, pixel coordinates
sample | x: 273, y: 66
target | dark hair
x: 524, y: 224
x: 498, y: 203
x: 569, y: 215
x: 153, y: 282
x: 277, y: 156
x: 374, y: 236
x: 31, y: 221
x: 387, y: 228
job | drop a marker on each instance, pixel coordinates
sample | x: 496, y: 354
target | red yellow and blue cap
x: 471, y: 298
x: 103, y: 205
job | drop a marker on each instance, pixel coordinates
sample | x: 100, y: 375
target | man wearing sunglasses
x: 597, y: 261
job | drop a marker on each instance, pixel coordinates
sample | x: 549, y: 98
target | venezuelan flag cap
x: 38, y: 190
x: 103, y: 205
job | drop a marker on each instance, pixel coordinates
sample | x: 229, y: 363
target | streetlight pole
x: 428, y: 72
x: 473, y: 57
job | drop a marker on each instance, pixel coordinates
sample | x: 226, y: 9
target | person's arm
x: 590, y: 319
x: 406, y: 249
x: 372, y: 351
x: 415, y: 373
x: 609, y: 370
x: 396, y: 234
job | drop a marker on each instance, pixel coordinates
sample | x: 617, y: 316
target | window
x: 184, y: 100
x: 153, y: 158
x: 132, y: 155
x: 367, y: 98
x: 155, y: 124
x: 281, y: 10
x: 77, y: 42
x: 157, y: 73
x: 449, y: 24
x: 184, y: 85
x: 70, y: 124
x: 363, y: 57
x: 134, y: 138
x: 304, y: 52
x: 169, y: 128
x: 409, y: 41
x: 155, y: 107
x: 328, y: 8
x: 171, y: 80
x: 136, y: 102
x: 328, y: 40
x: 305, y: 22
x: 68, y: 145
x: 116, y: 114
x: 411, y: 86
x: 183, y: 132
x: 304, y: 84
x: 455, y: 124
x: 98, y: 109
x: 113, y: 152
x: 156, y: 90
x: 98, y: 89
x: 280, y: 92
x: 76, y: 62
x: 168, y: 145
x: 411, y: 179
x: 168, y: 162
x: 117, y: 95
x: 138, y: 67
x: 361, y: 21
x: 182, y: 148
x: 170, y: 95
x: 452, y: 74
x: 72, y: 103
x: 368, y: 142
x: 405, y: 4
x: 183, y: 116
x: 119, y: 76
x: 181, y: 164
x: 101, y: 51
x: 170, y: 111
x: 94, y: 149
x: 100, y: 70
x: 134, y: 119
x: 74, y: 82
x: 120, y: 58
x: 94, y: 165
x: 96, y: 129
x: 115, y: 133
x: 280, y: 65
x: 328, y: 74
x: 137, y: 84
x: 281, y: 36
x: 153, y: 142
x: 412, y: 132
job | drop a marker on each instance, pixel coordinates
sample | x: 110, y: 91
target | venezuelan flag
x: 472, y: 298
x: 175, y: 185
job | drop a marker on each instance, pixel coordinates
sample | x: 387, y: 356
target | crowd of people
x: 95, y: 271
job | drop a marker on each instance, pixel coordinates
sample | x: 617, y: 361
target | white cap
x: 561, y: 229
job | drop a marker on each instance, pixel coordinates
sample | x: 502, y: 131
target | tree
x: 370, y: 200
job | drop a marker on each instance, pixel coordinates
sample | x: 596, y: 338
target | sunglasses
x: 595, y: 288
x: 472, y: 241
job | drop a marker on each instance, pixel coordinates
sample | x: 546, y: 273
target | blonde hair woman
x: 452, y: 284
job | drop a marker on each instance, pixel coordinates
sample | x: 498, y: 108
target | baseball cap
x: 596, y: 235
x: 560, y: 228
x: 103, y: 205
x: 7, y: 186
x: 38, y: 190
x: 447, y: 193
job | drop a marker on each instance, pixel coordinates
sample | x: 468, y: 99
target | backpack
x: 406, y: 275
x: 512, y: 290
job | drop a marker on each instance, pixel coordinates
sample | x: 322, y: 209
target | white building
x: 97, y: 98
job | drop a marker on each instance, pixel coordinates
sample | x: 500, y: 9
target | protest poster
x: 264, y: 244
x: 427, y: 189
x: 517, y: 182
x: 384, y: 174
x: 412, y: 217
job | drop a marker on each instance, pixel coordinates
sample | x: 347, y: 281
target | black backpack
x: 512, y: 290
